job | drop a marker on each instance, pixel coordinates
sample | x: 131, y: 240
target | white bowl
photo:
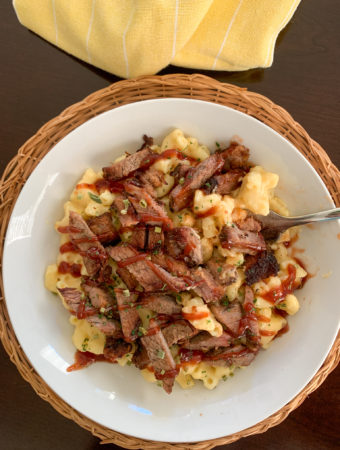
x: 117, y: 397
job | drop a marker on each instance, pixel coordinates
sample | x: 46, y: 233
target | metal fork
x: 273, y: 224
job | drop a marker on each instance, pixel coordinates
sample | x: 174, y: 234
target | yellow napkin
x: 141, y: 37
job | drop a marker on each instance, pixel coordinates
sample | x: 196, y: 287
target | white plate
x: 119, y: 398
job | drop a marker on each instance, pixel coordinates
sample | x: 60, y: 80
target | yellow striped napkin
x: 141, y: 37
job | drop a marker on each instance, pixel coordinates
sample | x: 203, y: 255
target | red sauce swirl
x: 73, y: 269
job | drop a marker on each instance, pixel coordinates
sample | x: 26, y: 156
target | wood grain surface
x: 38, y: 81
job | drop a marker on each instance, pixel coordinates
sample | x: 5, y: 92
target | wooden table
x: 38, y: 81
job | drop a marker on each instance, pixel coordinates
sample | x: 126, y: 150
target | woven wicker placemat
x: 129, y: 91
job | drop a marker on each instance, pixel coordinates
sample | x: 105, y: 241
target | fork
x: 274, y: 224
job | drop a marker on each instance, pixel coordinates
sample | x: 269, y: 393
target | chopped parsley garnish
x: 225, y: 301
x: 158, y: 229
x: 208, y: 185
x: 84, y: 345
x: 219, y: 269
x: 94, y: 197
x: 143, y: 203
x: 126, y: 203
x: 160, y: 354
x: 181, y: 180
x: 217, y: 144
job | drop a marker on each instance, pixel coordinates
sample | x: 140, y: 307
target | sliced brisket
x: 179, y: 331
x: 87, y: 243
x: 98, y: 296
x: 184, y: 243
x: 103, y: 227
x: 126, y: 166
x: 151, y: 276
x: 125, y: 211
x: 229, y: 316
x: 147, y: 142
x: 151, y: 179
x: 115, y: 348
x: 140, y: 358
x: 204, y: 341
x: 206, y: 286
x: 225, y: 183
x: 249, y: 224
x: 161, y: 304
x: 237, y: 355
x: 236, y: 156
x: 249, y: 324
x: 175, y: 267
x: 182, y: 194
x: 127, y: 278
x: 223, y: 273
x: 160, y: 357
x: 149, y: 210
x: 129, y: 316
x: 180, y: 172
x: 110, y: 327
x: 261, y: 266
x: 155, y: 238
x: 138, y: 237
x: 249, y: 242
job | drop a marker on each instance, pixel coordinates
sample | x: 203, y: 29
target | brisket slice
x: 73, y: 298
x: 175, y: 267
x: 155, y: 239
x: 127, y: 278
x: 161, y: 304
x: 180, y: 171
x: 182, y: 194
x: 126, y: 166
x: 249, y: 242
x: 204, y: 341
x: 103, y: 227
x: 87, y: 243
x: 115, y: 348
x: 206, y: 286
x: 178, y: 331
x: 151, y: 276
x: 249, y: 325
x: 223, y: 273
x: 184, y: 243
x: 260, y: 267
x: 237, y: 355
x: 151, y: 179
x: 105, y: 274
x: 110, y: 327
x: 249, y: 224
x: 148, y: 209
x: 126, y: 215
x: 160, y: 357
x: 147, y: 238
x: 225, y: 183
x: 229, y: 316
x: 147, y: 142
x: 98, y: 296
x: 140, y: 358
x: 138, y: 237
x: 236, y: 156
x: 129, y: 316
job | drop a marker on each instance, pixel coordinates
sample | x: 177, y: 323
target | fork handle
x: 321, y: 216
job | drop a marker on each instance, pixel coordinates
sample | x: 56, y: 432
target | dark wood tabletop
x: 38, y: 81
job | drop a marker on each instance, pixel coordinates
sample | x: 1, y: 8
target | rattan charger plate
x: 144, y: 88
